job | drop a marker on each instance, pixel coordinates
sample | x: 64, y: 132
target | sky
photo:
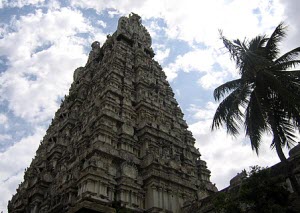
x: 42, y: 42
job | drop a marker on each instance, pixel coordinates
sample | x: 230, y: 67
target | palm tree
x: 266, y: 97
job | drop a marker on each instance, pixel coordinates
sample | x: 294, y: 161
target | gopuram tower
x: 118, y: 140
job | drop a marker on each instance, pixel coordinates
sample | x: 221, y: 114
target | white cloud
x: 12, y: 168
x: 101, y: 23
x: 21, y: 3
x: 214, y: 64
x: 200, y: 59
x: 50, y: 58
x: 212, y: 79
x: 161, y: 55
x: 191, y: 61
x: 4, y: 137
x: 291, y: 18
x: 197, y: 21
x: 170, y: 73
x: 156, y: 31
x: 3, y: 119
x: 226, y: 155
x: 8, y: 188
x: 177, y: 92
x: 23, y: 151
x: 194, y: 20
x: 202, y: 113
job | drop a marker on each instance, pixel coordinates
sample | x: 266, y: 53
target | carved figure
x: 95, y: 52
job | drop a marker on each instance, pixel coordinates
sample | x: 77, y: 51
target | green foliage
x: 260, y: 192
x: 266, y: 97
x: 227, y: 203
x: 264, y: 193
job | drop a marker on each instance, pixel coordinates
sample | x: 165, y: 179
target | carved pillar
x: 165, y: 199
x: 160, y: 196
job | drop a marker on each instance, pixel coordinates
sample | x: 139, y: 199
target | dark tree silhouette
x: 266, y: 97
x: 261, y: 191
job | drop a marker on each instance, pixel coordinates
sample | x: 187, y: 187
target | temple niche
x: 118, y: 140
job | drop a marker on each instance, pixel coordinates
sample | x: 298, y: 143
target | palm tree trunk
x: 287, y: 165
x: 279, y: 150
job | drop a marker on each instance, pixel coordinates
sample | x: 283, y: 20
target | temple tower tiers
x: 118, y: 139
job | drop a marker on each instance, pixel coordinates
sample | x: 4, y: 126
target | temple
x: 118, y: 140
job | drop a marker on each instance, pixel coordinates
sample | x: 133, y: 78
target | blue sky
x: 43, y: 41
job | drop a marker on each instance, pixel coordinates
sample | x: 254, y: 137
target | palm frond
x: 283, y: 66
x: 275, y: 38
x: 285, y: 130
x: 291, y: 81
x: 257, y: 43
x: 223, y: 89
x: 291, y: 74
x: 229, y: 112
x: 252, y: 64
x: 235, y: 116
x: 280, y: 88
x: 255, y: 122
x: 267, y: 90
x: 223, y: 110
x: 234, y: 48
x: 289, y: 56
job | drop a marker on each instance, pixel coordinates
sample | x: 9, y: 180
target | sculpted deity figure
x: 135, y: 18
x: 95, y: 52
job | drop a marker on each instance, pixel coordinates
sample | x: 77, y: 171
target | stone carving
x: 119, y: 136
x: 238, y: 178
x: 133, y: 29
x: 129, y: 170
x: 95, y: 52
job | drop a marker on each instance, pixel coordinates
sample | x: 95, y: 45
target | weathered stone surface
x: 119, y: 136
x: 295, y: 151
